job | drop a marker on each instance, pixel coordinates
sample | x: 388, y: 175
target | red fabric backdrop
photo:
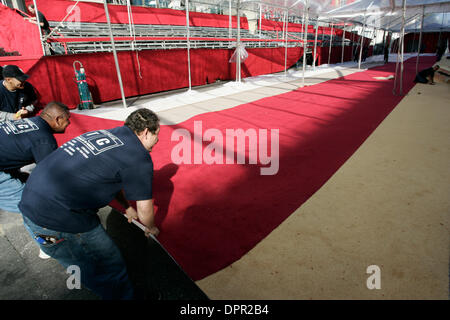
x: 161, y: 70
x: 16, y: 34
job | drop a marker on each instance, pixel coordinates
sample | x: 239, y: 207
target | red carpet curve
x: 211, y: 215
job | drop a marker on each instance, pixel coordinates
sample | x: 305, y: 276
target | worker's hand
x: 131, y: 214
x: 153, y: 230
x: 21, y: 114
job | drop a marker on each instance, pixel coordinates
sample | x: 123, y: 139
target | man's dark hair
x: 57, y: 104
x: 54, y: 109
x: 142, y: 119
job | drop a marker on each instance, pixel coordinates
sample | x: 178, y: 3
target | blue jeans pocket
x: 49, y: 239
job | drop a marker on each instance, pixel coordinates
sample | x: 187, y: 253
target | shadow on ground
x: 24, y: 276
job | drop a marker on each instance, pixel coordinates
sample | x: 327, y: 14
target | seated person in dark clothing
x: 426, y: 75
x: 16, y: 96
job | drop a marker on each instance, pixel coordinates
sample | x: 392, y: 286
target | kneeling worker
x: 426, y: 75
x: 63, y: 194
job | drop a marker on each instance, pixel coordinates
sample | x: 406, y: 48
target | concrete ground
x: 386, y: 206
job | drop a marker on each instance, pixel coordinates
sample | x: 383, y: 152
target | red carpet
x: 211, y: 215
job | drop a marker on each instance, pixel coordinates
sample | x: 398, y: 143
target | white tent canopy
x: 386, y: 14
x: 381, y: 14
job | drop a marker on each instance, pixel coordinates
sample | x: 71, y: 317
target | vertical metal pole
x: 331, y: 41
x: 116, y: 61
x: 260, y: 20
x: 362, y: 38
x: 188, y: 35
x: 39, y: 27
x: 420, y: 40
x: 230, y: 26
x: 285, y: 42
x: 129, y: 23
x: 403, y: 47
x: 305, y: 40
x: 238, y: 42
x: 352, y: 58
x: 315, y: 45
x: 399, y: 51
x: 343, y: 37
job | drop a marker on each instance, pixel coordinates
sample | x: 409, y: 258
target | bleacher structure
x: 94, y: 37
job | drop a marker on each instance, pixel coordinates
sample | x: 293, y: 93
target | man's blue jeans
x: 103, y: 270
x: 10, y: 192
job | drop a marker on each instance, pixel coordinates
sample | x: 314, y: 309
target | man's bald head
x: 57, y: 115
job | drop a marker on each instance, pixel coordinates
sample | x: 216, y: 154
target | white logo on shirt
x: 19, y: 126
x: 93, y: 143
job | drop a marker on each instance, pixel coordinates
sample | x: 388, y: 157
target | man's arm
x: 5, y: 116
x: 146, y: 214
x: 34, y: 20
x: 130, y: 212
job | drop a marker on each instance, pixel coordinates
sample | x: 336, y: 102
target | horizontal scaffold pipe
x: 106, y: 39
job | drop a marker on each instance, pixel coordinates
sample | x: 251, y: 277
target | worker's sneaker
x: 43, y: 255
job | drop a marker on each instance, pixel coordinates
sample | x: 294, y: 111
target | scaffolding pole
x: 343, y: 37
x: 361, y: 42
x: 188, y: 35
x: 331, y: 41
x: 285, y: 42
x: 39, y: 27
x: 420, y: 39
x: 315, y: 45
x: 229, y: 20
x: 400, y: 54
x: 238, y: 43
x: 116, y: 61
x: 305, y: 40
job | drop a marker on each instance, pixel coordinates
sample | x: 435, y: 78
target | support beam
x: 361, y: 42
x: 188, y: 34
x: 420, y: 40
x: 39, y: 27
x: 331, y: 42
x: 305, y: 40
x: 230, y: 26
x: 400, y: 54
x: 116, y: 61
x: 343, y: 39
x: 285, y: 41
x: 315, y: 45
x: 238, y: 42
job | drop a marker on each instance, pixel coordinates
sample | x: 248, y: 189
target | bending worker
x: 64, y: 192
x: 27, y: 141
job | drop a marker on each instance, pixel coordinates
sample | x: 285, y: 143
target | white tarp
x: 380, y: 14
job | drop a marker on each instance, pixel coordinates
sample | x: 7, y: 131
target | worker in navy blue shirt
x: 426, y: 75
x: 16, y: 95
x: 64, y: 192
x: 27, y: 141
